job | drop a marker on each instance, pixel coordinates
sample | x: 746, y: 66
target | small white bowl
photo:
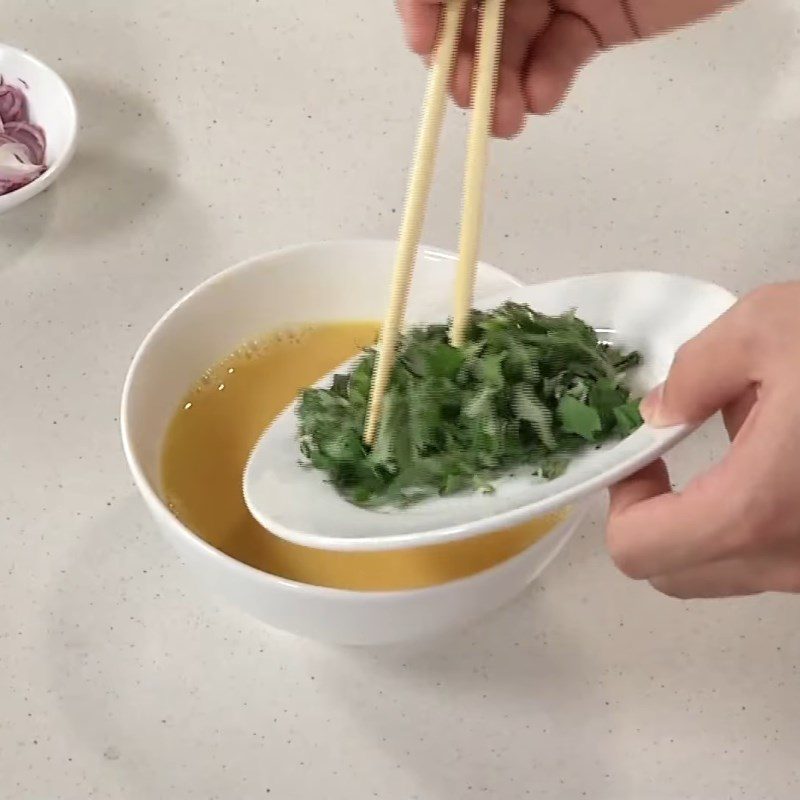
x: 51, y: 106
x: 310, y: 283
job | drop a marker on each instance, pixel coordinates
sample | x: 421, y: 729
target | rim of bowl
x: 573, y: 516
x: 18, y: 196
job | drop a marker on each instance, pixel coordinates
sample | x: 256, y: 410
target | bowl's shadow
x: 128, y: 636
x: 519, y: 669
x: 121, y: 169
x: 22, y: 227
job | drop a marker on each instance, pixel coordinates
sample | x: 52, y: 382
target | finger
x: 462, y: 79
x: 465, y: 60
x: 732, y: 510
x: 662, y: 15
x: 709, y: 372
x: 510, y: 108
x: 725, y: 579
x: 652, y: 530
x: 737, y: 412
x: 735, y: 577
x: 420, y: 22
x: 652, y: 481
x: 613, y: 18
x: 524, y: 23
x: 567, y: 43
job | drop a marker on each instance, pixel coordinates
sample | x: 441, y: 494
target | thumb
x: 708, y: 373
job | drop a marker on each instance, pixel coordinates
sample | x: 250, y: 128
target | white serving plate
x: 646, y: 311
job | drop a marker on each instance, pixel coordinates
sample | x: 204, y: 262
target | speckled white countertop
x: 213, y: 131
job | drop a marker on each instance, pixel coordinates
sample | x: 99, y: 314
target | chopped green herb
x: 525, y: 391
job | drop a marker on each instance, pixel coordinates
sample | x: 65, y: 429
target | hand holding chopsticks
x: 420, y: 183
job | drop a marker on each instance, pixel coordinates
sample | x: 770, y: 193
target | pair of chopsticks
x: 420, y: 184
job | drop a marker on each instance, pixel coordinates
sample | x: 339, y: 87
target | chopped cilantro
x: 525, y: 391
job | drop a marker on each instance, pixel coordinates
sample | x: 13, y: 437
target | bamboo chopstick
x: 415, y: 205
x: 475, y: 174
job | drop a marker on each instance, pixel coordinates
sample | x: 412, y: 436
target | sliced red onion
x: 15, y: 161
x: 16, y: 170
x: 32, y: 136
x: 6, y: 187
x: 13, y: 106
x: 22, y: 143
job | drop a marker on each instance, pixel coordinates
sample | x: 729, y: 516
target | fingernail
x: 651, y: 405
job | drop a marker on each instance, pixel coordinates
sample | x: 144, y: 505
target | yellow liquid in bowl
x: 210, y: 438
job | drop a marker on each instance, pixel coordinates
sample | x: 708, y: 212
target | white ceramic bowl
x: 51, y: 106
x: 310, y: 283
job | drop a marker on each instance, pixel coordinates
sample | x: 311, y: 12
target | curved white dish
x: 310, y: 283
x: 646, y: 311
x: 52, y: 106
